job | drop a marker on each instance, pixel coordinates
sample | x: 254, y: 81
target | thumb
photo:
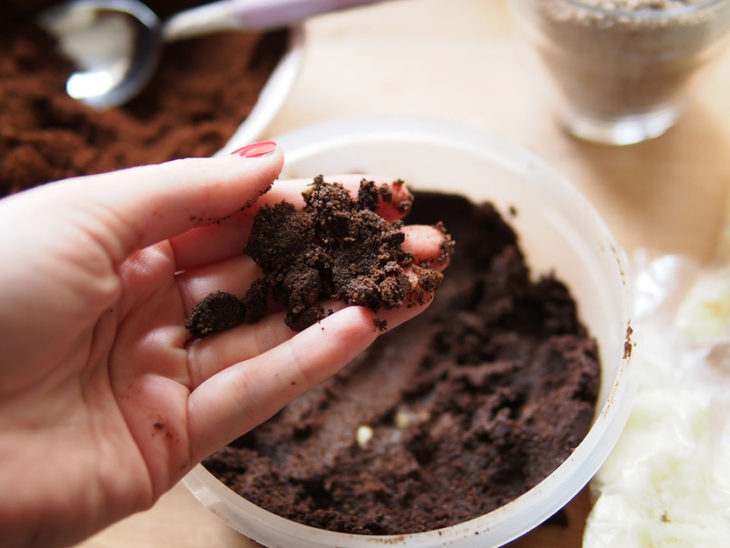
x: 130, y: 209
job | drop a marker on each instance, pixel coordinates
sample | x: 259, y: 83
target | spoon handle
x: 248, y: 15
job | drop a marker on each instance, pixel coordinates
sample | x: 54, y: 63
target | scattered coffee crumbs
x: 335, y: 248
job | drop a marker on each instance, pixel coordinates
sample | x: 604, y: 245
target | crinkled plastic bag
x: 667, y: 482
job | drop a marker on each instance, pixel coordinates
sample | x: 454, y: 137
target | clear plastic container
x: 559, y: 231
x: 621, y: 71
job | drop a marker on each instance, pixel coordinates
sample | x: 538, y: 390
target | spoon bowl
x: 116, y: 44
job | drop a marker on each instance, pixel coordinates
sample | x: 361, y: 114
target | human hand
x: 105, y: 401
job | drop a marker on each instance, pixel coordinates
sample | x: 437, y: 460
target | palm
x: 110, y: 395
x: 148, y: 372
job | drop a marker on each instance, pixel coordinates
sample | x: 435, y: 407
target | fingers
x: 208, y: 244
x: 208, y: 356
x: 233, y: 276
x: 130, y: 209
x: 242, y: 396
x: 390, y: 319
x: 428, y: 244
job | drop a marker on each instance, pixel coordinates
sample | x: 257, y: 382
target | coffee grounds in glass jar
x: 620, y: 58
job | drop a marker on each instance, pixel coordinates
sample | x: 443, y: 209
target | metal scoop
x: 116, y: 44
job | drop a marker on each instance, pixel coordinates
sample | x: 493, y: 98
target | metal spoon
x: 116, y: 43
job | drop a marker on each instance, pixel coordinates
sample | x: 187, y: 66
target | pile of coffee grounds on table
x: 203, y: 89
x: 450, y: 415
x: 334, y: 249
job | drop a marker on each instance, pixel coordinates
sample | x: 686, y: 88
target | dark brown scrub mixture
x: 204, y: 88
x: 334, y: 249
x: 469, y: 405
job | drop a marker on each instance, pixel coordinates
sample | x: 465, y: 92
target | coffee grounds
x: 622, y: 58
x: 203, y: 89
x: 449, y: 416
x: 335, y: 248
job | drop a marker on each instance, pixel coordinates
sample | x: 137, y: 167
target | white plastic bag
x: 667, y: 482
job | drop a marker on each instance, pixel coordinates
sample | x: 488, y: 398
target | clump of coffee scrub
x: 618, y: 61
x: 450, y: 415
x: 335, y: 248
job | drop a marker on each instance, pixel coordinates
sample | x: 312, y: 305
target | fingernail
x: 256, y: 150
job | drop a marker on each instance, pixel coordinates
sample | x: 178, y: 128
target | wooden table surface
x: 463, y: 61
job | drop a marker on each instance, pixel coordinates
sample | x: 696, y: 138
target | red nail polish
x: 256, y: 150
